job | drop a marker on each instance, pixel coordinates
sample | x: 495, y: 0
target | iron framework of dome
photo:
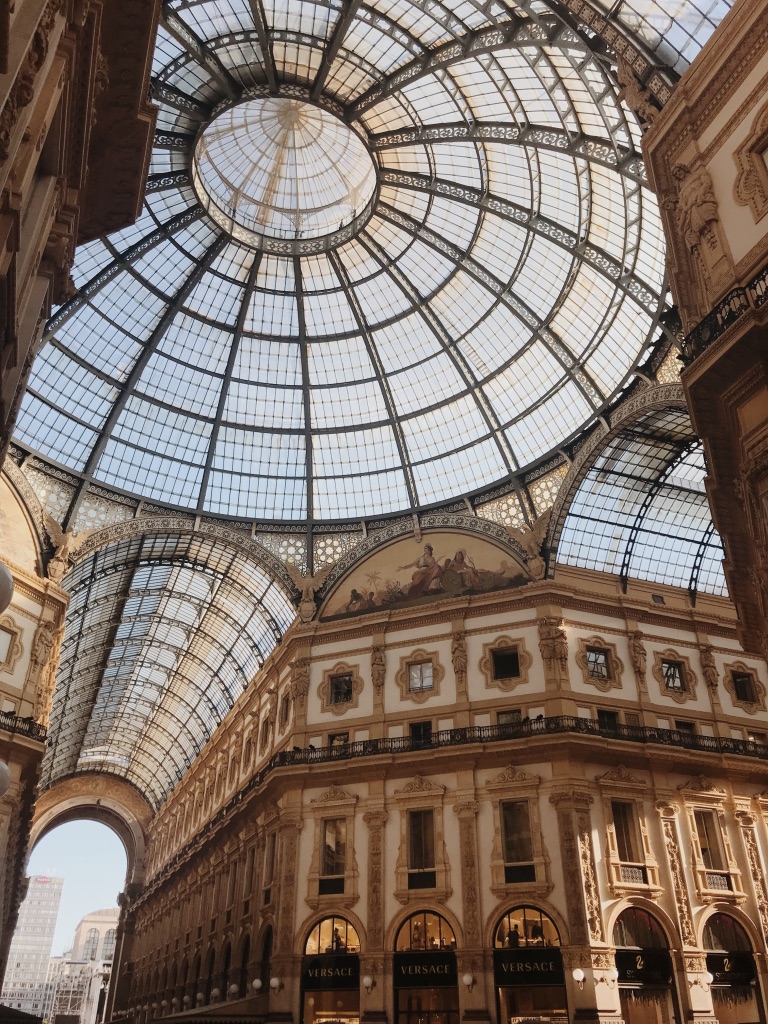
x: 493, y: 301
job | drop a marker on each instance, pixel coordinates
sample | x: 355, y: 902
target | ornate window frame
x: 679, y: 696
x: 15, y: 646
x: 419, y: 656
x: 752, y: 707
x: 505, y: 643
x: 751, y: 185
x: 615, y: 664
x: 515, y: 784
x: 421, y: 794
x: 619, y: 784
x: 701, y: 795
x: 335, y: 803
x: 341, y: 668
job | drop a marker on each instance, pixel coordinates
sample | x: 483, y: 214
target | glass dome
x: 389, y: 257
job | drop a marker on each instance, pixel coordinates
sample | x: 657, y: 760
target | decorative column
x: 284, y: 964
x: 459, y: 660
x: 696, y: 994
x: 712, y: 679
x: 122, y: 969
x: 299, y: 688
x: 747, y: 822
x: 593, y: 1002
x: 470, y: 960
x: 373, y: 963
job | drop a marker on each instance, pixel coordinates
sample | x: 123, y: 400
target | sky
x: 91, y: 860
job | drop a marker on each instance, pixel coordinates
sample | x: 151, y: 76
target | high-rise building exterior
x: 24, y: 986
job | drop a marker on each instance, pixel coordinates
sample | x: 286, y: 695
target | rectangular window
x: 232, y: 884
x: 421, y: 849
x: 674, y: 676
x: 598, y: 663
x: 285, y: 710
x: 338, y: 739
x: 625, y: 825
x: 517, y: 841
x: 757, y: 737
x: 608, y: 720
x: 743, y: 687
x: 421, y: 732
x: 420, y: 676
x: 708, y: 830
x: 250, y: 861
x: 506, y: 663
x: 511, y: 717
x: 686, y: 728
x: 334, y: 854
x: 341, y: 689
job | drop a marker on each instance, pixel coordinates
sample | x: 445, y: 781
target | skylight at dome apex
x: 278, y: 339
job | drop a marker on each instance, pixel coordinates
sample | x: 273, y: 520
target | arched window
x: 722, y: 934
x: 209, y: 975
x: 91, y: 944
x: 332, y: 935
x: 424, y: 931
x: 108, y: 949
x: 226, y: 963
x: 525, y: 927
x: 637, y: 929
x: 266, y: 956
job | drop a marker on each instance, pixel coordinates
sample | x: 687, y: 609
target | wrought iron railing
x: 24, y: 726
x: 730, y: 309
x: 522, y: 730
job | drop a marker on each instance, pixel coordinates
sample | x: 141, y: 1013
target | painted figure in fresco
x: 464, y: 567
x: 428, y: 572
x: 356, y: 603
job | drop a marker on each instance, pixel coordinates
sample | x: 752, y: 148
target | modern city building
x: 95, y: 935
x: 393, y: 497
x: 24, y: 984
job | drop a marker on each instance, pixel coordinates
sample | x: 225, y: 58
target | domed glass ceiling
x: 312, y: 352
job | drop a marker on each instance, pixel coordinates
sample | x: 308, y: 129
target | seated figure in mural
x: 427, y: 574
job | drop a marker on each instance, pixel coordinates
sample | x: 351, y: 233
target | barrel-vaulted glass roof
x: 491, y: 302
x: 642, y: 511
x: 163, y: 633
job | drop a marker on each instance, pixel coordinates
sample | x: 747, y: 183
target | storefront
x: 731, y: 963
x: 646, y: 980
x: 424, y: 971
x: 528, y: 966
x: 330, y: 974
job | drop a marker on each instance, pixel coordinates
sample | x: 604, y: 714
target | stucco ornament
x: 308, y: 587
x: 531, y: 539
x: 66, y: 545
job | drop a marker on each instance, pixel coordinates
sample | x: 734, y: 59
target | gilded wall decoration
x: 589, y: 878
x: 606, y: 675
x: 408, y: 574
x: 571, y: 861
x: 486, y: 664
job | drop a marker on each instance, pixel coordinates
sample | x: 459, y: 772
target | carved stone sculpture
x: 553, y: 643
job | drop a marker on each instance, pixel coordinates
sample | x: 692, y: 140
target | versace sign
x: 424, y: 970
x: 341, y: 970
x: 528, y: 967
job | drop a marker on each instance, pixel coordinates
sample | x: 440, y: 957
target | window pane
x: 743, y: 688
x: 421, y: 840
x: 673, y: 675
x: 709, y: 840
x: 597, y: 663
x: 420, y: 676
x: 624, y: 824
x: 506, y: 663
x: 517, y: 832
x: 334, y: 846
x: 341, y: 689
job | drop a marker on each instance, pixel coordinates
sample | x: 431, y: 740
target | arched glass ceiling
x: 642, y: 510
x: 163, y: 633
x: 506, y: 284
x: 675, y: 30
